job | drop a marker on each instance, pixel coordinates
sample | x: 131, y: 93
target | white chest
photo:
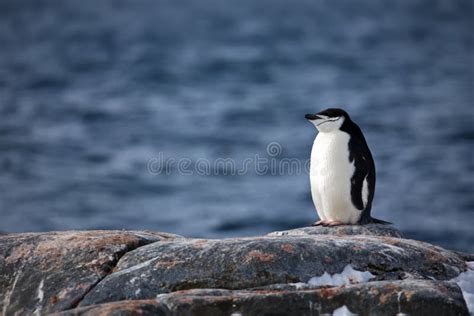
x: 330, y: 177
x: 330, y: 157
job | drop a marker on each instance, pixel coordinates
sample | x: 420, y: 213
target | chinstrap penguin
x: 342, y: 171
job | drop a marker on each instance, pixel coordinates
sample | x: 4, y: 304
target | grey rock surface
x: 343, y: 230
x: 43, y: 272
x: 241, y: 263
x: 123, y: 272
x: 138, y: 307
x: 413, y: 297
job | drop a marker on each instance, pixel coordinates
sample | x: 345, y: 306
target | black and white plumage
x: 342, y: 172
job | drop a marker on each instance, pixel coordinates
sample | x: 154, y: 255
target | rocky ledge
x: 365, y: 270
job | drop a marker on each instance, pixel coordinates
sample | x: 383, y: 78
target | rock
x: 413, y: 297
x: 466, y: 256
x: 139, y: 307
x: 122, y: 272
x: 242, y: 263
x: 343, y: 230
x: 44, y: 272
x: 375, y: 298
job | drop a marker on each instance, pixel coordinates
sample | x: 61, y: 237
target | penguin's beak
x: 312, y: 117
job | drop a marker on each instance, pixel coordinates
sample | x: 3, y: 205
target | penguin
x: 342, y: 171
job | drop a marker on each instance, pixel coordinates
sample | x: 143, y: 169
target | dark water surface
x: 90, y: 91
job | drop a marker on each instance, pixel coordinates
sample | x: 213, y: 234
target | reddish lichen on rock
x: 257, y: 255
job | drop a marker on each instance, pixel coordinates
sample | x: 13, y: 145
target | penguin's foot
x: 320, y: 222
x: 332, y: 223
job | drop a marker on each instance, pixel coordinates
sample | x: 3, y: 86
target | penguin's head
x: 328, y: 120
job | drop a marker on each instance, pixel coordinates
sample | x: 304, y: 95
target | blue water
x: 92, y: 91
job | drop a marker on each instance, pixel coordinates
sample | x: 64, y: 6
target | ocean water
x: 97, y: 96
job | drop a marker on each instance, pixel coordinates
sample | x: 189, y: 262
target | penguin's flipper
x: 363, y: 179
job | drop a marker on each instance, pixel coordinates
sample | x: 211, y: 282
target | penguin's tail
x: 379, y: 221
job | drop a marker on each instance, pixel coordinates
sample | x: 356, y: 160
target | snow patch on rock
x: 343, y: 311
x: 348, y: 276
x: 465, y: 281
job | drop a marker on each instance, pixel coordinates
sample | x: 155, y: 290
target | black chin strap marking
x: 329, y: 121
